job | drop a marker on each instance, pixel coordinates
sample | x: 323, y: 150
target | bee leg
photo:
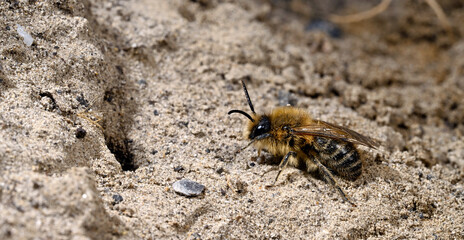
x: 283, y: 164
x: 329, y: 178
x: 261, y: 159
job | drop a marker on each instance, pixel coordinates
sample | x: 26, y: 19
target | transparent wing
x: 329, y: 130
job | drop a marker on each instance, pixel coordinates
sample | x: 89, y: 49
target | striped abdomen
x: 339, y: 156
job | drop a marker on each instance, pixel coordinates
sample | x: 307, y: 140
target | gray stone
x: 188, y: 187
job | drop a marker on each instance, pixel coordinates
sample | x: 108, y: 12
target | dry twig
x: 357, y: 17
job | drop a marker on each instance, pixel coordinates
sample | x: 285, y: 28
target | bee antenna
x: 248, y: 97
x: 241, y: 112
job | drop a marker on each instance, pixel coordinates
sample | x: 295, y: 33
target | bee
x: 306, y: 143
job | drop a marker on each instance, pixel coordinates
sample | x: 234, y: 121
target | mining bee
x: 306, y: 143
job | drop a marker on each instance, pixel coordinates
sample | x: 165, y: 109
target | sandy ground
x: 116, y: 100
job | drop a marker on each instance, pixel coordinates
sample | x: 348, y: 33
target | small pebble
x: 142, y: 82
x: 196, y: 236
x: 120, y: 70
x: 286, y: 99
x: 324, y: 26
x: 183, y: 124
x: 80, y: 132
x: 117, y: 198
x: 188, y: 188
x: 179, y: 168
x: 81, y: 99
x: 27, y: 38
x: 219, y: 170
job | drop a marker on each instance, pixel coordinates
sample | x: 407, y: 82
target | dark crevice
x: 122, y: 153
x: 117, y: 100
x: 118, y: 105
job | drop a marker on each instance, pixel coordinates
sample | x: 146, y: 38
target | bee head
x: 259, y: 126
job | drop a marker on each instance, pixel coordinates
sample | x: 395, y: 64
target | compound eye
x: 260, y: 129
x: 263, y: 127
